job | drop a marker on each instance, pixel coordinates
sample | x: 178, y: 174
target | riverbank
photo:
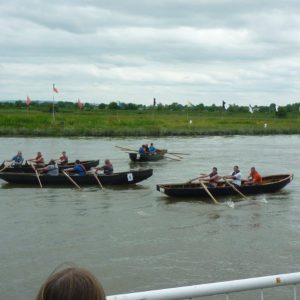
x: 143, y: 123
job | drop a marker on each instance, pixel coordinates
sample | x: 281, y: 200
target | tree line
x: 67, y: 106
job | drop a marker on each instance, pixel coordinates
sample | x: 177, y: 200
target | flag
x: 223, y: 105
x: 28, y: 101
x: 154, y: 102
x: 250, y: 109
x: 190, y: 103
x: 55, y: 90
x: 80, y: 104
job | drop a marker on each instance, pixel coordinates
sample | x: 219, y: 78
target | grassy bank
x: 142, y: 123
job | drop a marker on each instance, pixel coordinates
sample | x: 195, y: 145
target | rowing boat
x: 129, y: 177
x: 158, y: 155
x: 270, y: 184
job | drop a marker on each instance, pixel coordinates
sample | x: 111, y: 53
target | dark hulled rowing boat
x: 88, y: 164
x: 130, y: 177
x: 158, y: 155
x: 270, y: 184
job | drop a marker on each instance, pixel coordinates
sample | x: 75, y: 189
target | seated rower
x: 17, y: 160
x: 236, y: 175
x: 63, y: 160
x: 38, y: 160
x: 152, y: 149
x: 51, y: 169
x: 142, y: 149
x: 212, y: 178
x: 254, y: 177
x: 146, y: 148
x: 107, y: 167
x: 79, y: 169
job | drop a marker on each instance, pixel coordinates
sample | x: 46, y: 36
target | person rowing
x: 17, y: 160
x: 38, y: 160
x: 142, y: 150
x: 79, y: 169
x: 152, y: 149
x: 254, y: 177
x: 107, y: 167
x: 146, y: 148
x: 63, y: 160
x: 212, y: 178
x: 236, y: 176
x: 51, y: 169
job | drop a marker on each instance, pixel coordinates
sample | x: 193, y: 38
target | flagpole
x: 53, y: 114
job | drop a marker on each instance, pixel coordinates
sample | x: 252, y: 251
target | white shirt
x: 238, y: 178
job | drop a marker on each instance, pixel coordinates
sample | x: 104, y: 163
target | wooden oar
x: 96, y: 177
x: 175, y: 155
x: 5, y: 167
x: 126, y: 149
x: 208, y: 192
x: 129, y: 152
x: 171, y: 157
x: 233, y: 186
x: 191, y: 180
x: 37, y: 174
x: 67, y: 175
x: 179, y: 153
x: 198, y: 177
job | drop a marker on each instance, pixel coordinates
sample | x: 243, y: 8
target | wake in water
x: 230, y: 204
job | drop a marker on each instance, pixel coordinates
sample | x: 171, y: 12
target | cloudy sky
x: 243, y: 52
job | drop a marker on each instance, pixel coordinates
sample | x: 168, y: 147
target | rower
x: 212, y: 178
x: 51, y: 169
x: 254, y: 177
x: 63, y: 160
x: 142, y: 149
x: 236, y: 175
x: 107, y: 167
x: 17, y: 160
x: 146, y: 148
x: 78, y: 168
x: 152, y: 149
x: 38, y: 160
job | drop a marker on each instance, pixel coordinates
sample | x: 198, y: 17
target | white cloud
x: 206, y: 51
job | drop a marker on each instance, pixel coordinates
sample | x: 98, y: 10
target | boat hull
x: 130, y: 177
x: 136, y: 157
x: 270, y: 184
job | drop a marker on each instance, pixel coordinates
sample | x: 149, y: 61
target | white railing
x: 211, y: 289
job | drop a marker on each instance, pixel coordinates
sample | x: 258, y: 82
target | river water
x: 136, y: 238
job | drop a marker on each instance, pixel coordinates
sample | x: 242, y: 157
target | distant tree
x: 113, y: 105
x: 281, y: 112
x: 102, y: 106
x: 175, y: 106
x: 272, y: 107
x: 130, y: 106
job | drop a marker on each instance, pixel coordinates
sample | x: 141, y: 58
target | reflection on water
x: 135, y: 238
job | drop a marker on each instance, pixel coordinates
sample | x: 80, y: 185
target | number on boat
x: 129, y: 176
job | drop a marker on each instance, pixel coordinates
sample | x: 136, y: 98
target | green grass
x: 141, y: 123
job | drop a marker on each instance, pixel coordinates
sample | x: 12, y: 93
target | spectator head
x: 71, y: 283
